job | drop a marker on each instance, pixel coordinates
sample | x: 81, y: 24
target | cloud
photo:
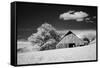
x: 87, y: 19
x: 90, y: 19
x: 72, y: 15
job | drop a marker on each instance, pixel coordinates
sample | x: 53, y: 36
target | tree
x: 44, y: 33
x: 50, y: 44
x: 55, y: 35
x: 36, y: 38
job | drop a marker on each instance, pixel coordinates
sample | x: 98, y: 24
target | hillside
x: 59, y: 55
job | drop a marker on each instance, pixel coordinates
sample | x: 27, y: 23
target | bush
x: 89, y: 38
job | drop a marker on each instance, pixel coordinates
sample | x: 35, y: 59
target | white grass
x: 22, y: 44
x: 59, y: 55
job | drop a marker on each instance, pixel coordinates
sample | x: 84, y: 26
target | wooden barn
x: 70, y: 40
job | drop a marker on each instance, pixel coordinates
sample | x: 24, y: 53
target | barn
x: 70, y: 40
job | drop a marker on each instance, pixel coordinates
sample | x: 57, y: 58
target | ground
x: 83, y: 53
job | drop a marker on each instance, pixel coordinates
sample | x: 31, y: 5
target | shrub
x: 88, y: 38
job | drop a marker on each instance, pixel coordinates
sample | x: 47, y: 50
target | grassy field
x: 83, y: 53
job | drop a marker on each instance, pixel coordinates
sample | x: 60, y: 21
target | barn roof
x: 70, y: 37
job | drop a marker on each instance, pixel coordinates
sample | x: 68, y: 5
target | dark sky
x: 30, y: 16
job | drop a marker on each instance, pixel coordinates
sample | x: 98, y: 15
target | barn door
x: 71, y: 45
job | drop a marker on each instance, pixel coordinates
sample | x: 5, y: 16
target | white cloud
x: 79, y: 19
x: 90, y: 19
x: 72, y: 15
x: 87, y: 19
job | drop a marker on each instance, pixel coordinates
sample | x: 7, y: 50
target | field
x: 83, y: 53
